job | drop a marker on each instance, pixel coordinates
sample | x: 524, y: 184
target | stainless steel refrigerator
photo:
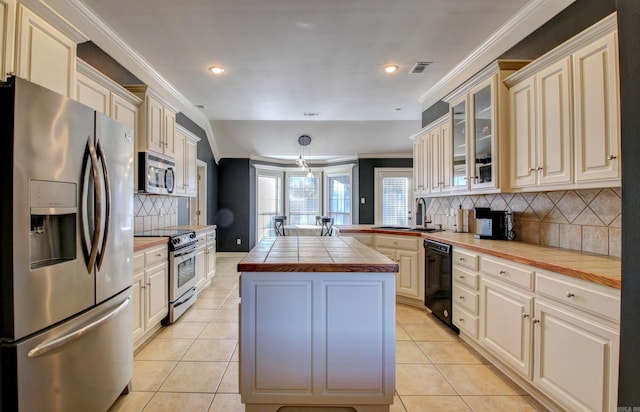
x: 66, y: 248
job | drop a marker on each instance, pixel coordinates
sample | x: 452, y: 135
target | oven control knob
x: 192, y: 235
x: 176, y: 241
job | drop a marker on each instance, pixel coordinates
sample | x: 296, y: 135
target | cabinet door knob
x: 461, y: 298
x: 569, y: 294
x: 531, y: 169
x: 539, y: 168
x: 536, y: 321
x: 611, y: 157
x: 502, y: 272
x: 524, y: 315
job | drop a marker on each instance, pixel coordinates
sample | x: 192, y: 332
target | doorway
x: 198, y: 204
x: 393, y: 196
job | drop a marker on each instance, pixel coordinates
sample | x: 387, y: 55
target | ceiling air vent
x: 419, y: 67
x: 311, y: 114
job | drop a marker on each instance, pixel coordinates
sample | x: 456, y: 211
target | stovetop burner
x: 178, y: 238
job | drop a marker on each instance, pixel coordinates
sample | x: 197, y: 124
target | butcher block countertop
x: 195, y: 228
x: 600, y: 269
x: 314, y: 254
x: 140, y: 243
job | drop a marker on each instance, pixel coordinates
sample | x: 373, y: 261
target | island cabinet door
x: 276, y: 331
x: 355, y: 355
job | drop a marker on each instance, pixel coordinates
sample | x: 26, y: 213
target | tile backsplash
x: 154, y: 211
x: 587, y: 220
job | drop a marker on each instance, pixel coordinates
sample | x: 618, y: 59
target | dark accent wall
x: 205, y: 154
x: 234, y: 218
x: 434, y: 112
x: 566, y: 24
x: 106, y: 64
x: 629, y: 44
x: 366, y: 182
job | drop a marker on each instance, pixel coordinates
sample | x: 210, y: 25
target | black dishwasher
x: 438, y: 280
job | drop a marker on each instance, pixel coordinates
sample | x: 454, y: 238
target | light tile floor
x: 192, y: 365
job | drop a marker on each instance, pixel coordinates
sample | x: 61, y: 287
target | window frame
x: 316, y: 172
x: 338, y: 171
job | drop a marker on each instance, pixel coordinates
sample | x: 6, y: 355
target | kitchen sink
x: 409, y: 229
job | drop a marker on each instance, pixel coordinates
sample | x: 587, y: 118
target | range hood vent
x: 419, y: 67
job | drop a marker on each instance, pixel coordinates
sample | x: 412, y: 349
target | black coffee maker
x: 493, y: 224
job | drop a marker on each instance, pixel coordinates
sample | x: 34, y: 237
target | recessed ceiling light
x: 390, y: 68
x: 216, y: 69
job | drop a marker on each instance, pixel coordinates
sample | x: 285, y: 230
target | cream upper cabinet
x: 156, y: 122
x: 186, y: 171
x: 7, y: 28
x: 44, y: 55
x: 440, y: 159
x: 459, y: 132
x: 420, y: 163
x: 541, y: 143
x: 595, y: 100
x: 105, y: 95
x: 92, y: 94
x: 564, y: 111
x: 479, y: 128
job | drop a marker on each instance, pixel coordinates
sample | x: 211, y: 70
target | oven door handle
x: 185, y: 251
x: 185, y: 298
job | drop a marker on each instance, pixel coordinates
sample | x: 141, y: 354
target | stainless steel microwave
x: 156, y: 173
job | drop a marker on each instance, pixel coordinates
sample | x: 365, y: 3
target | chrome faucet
x: 423, y: 210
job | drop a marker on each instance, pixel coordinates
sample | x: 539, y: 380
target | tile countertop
x: 140, y: 243
x: 195, y: 228
x: 599, y: 269
x: 314, y: 254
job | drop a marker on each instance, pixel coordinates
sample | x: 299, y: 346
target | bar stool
x: 278, y: 225
x: 327, y: 226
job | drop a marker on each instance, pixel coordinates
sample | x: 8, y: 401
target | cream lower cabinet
x: 150, y: 291
x: 555, y: 335
x: 206, y: 258
x: 408, y: 252
x: 466, y: 298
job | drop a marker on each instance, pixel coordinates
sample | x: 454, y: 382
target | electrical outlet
x: 362, y: 200
x: 238, y: 241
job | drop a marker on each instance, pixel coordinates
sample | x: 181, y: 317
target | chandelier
x: 304, y: 141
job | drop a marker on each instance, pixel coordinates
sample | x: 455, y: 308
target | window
x: 303, y: 198
x: 393, y: 193
x: 269, y: 201
x: 338, y: 194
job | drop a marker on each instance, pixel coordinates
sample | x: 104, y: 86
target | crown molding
x: 87, y: 22
x: 533, y: 15
x: 385, y: 155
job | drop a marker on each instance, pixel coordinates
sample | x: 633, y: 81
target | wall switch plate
x: 238, y: 241
x: 362, y: 200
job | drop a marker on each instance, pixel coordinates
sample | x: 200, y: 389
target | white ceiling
x: 287, y: 57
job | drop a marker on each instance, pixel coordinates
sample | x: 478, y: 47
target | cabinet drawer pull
x: 502, y: 272
x: 461, y: 298
x: 569, y: 294
x: 159, y: 254
x: 461, y: 259
x: 611, y: 157
x: 461, y: 277
x: 461, y: 319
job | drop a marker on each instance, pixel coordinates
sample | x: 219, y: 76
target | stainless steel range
x: 183, y: 245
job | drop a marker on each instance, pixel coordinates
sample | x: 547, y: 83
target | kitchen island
x: 317, y: 325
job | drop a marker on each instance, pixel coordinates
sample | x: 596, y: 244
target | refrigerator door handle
x: 107, y: 192
x: 48, y: 346
x: 91, y: 251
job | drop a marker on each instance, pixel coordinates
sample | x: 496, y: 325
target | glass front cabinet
x: 478, y: 115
